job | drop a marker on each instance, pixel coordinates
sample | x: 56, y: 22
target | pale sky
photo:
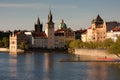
x: 77, y: 14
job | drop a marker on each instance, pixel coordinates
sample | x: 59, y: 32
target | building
x: 49, y: 31
x: 63, y: 34
x: 48, y: 39
x: 114, y: 33
x: 112, y: 24
x: 78, y: 33
x: 38, y: 26
x: 39, y: 38
x: 97, y: 31
x: 17, y: 41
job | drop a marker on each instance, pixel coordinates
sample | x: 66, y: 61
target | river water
x: 47, y: 66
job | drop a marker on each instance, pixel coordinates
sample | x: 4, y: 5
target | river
x: 47, y: 66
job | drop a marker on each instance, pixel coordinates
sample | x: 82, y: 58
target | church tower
x: 38, y: 26
x: 50, y: 31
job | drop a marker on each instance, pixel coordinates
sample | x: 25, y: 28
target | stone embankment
x: 94, y: 53
x: 4, y: 50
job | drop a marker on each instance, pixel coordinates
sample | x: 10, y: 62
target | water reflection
x: 97, y: 71
x: 13, y: 66
x: 48, y: 64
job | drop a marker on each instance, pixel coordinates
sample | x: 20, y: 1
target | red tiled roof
x: 116, y: 29
x: 39, y: 34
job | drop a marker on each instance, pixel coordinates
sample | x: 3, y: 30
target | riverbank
x: 35, y: 50
x: 4, y: 50
x: 94, y: 53
x: 46, y: 50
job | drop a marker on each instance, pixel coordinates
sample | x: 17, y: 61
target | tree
x: 67, y: 44
x: 5, y: 41
x: 1, y: 43
x: 107, y: 43
x: 74, y: 44
x: 23, y: 45
x: 115, y: 47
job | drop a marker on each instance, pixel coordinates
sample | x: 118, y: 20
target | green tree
x: 74, y: 44
x: 5, y: 41
x: 67, y: 44
x: 107, y: 43
x: 115, y: 47
x: 23, y: 45
x: 1, y: 43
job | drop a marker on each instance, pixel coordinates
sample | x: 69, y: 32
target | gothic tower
x: 38, y: 26
x: 13, y: 43
x: 50, y: 31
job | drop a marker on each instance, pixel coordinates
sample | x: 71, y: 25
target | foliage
x: 5, y: 42
x: 115, y: 47
x: 107, y: 43
x: 74, y: 44
x: 1, y: 44
x: 23, y: 45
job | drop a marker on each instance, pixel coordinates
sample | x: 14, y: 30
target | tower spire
x: 38, y: 21
x: 50, y: 16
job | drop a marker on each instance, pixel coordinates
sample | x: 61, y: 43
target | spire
x: 50, y: 16
x: 98, y: 18
x: 38, y: 21
x: 62, y: 21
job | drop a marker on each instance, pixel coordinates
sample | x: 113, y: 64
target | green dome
x: 62, y: 25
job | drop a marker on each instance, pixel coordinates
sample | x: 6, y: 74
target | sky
x: 77, y: 14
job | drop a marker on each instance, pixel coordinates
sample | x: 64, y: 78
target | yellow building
x: 97, y: 31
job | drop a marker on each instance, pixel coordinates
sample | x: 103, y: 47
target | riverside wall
x: 96, y: 53
x: 4, y: 50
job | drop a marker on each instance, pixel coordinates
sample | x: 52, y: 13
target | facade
x: 16, y: 40
x: 97, y: 31
x: 39, y: 42
x: 63, y: 34
x: 114, y: 33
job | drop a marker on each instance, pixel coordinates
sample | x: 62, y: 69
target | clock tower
x: 50, y: 32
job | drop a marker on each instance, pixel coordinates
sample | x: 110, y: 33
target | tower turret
x: 50, y: 31
x: 50, y: 17
x: 38, y: 26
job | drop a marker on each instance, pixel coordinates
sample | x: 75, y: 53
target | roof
x: 62, y: 25
x: 116, y: 28
x: 98, y: 19
x: 39, y: 34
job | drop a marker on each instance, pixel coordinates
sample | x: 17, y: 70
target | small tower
x: 50, y: 31
x: 62, y: 25
x: 13, y: 43
x: 38, y: 26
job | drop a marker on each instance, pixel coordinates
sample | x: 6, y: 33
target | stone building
x: 48, y: 39
x: 97, y: 30
x: 63, y: 34
x: 16, y: 41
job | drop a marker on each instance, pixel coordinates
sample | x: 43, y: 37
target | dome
x: 62, y: 25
